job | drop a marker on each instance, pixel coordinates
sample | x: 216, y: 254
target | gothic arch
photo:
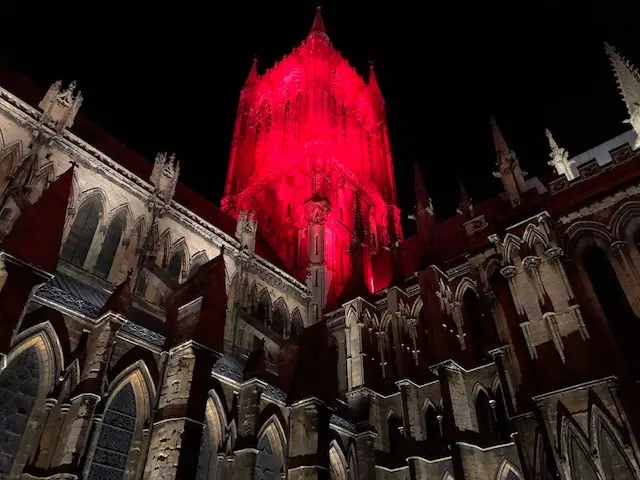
x: 197, y: 261
x: 603, y: 430
x: 122, y: 209
x: 465, y: 284
x: 352, y: 318
x: 510, y: 247
x: 495, y: 385
x: 506, y: 471
x: 575, y: 448
x: 11, y: 154
x: 338, y: 462
x: 532, y: 235
x: 625, y: 218
x: 27, y: 378
x: 272, y: 429
x: 296, y: 320
x: 213, y: 436
x: 126, y: 413
x: 41, y: 181
x: 280, y: 318
x: 264, y: 307
x: 416, y: 308
x: 138, y: 373
x: 181, y: 244
x: 581, y: 230
x: 477, y: 388
x: 448, y: 476
x: 42, y: 336
x: 163, y: 247
x: 492, y: 267
x: 386, y: 319
x: 94, y: 193
x: 140, y: 225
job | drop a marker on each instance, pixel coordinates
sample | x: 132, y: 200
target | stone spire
x: 559, y: 158
x: 373, y: 82
x: 509, y: 171
x: 628, y: 79
x: 252, y: 78
x: 425, y: 217
x: 465, y: 207
x: 318, y: 24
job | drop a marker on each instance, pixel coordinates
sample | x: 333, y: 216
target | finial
x: 371, y: 64
x: 73, y: 163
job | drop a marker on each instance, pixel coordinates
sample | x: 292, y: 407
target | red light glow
x: 309, y: 130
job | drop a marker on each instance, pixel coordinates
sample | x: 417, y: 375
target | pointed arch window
x: 175, y: 265
x: 481, y: 336
x: 267, y: 463
x: 484, y: 415
x: 116, y: 436
x: 433, y: 431
x: 264, y: 308
x: 280, y: 318
x: 18, y: 392
x: 112, y: 239
x: 396, y: 439
x: 78, y: 243
x: 197, y: 262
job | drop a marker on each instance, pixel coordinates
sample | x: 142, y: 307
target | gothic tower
x: 310, y: 140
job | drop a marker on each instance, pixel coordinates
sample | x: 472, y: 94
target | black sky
x: 168, y: 78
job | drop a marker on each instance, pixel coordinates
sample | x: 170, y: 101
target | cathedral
x: 293, y: 332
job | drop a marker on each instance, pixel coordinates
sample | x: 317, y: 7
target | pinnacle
x: 627, y: 77
x: 498, y: 139
x: 318, y: 24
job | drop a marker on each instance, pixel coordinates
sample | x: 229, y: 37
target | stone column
x: 75, y: 431
x: 309, y: 441
x: 246, y: 451
x: 177, y: 428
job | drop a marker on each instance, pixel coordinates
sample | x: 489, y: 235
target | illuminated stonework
x: 310, y: 133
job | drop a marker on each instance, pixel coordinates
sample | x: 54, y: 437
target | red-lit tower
x: 310, y: 147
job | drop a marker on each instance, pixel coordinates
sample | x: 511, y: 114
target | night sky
x: 168, y: 78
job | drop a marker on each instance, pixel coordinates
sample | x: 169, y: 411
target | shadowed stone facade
x: 145, y: 334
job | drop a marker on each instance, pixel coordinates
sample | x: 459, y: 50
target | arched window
x: 197, y: 262
x: 396, y: 440
x: 434, y: 434
x: 175, y: 265
x: 264, y: 308
x: 581, y: 465
x: 484, y: 415
x: 78, y: 242
x: 267, y: 463
x: 116, y: 436
x: 110, y: 246
x: 614, y: 303
x: 18, y: 392
x: 280, y: 317
x: 296, y: 323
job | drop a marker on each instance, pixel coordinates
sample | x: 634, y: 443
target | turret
x: 509, y: 171
x: 164, y: 176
